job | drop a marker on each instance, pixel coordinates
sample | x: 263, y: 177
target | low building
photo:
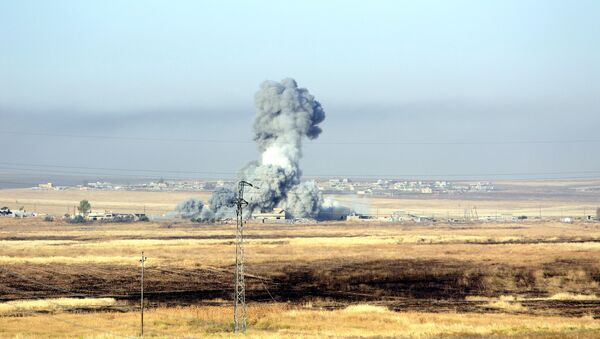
x: 276, y: 215
x: 140, y: 217
x: 359, y: 217
x: 5, y: 211
x: 103, y: 215
x: 46, y: 186
x: 21, y: 213
x: 99, y: 215
x: 422, y: 218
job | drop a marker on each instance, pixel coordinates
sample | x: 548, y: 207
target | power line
x: 20, y: 276
x: 142, y: 261
x: 56, y: 288
x: 266, y: 289
x: 89, y: 174
x: 80, y: 295
x: 225, y: 141
x: 213, y: 270
x: 106, y: 137
x: 167, y: 209
x: 22, y: 166
x: 239, y: 308
x: 532, y: 176
x: 72, y: 293
x: 116, y: 169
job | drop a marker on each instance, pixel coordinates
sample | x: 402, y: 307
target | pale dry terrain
x: 550, y: 199
x: 287, y: 321
x: 60, y: 202
x: 454, y: 207
x: 538, y: 278
x: 36, y: 241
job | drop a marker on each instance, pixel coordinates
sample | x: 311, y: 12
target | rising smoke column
x: 190, y: 208
x: 285, y: 114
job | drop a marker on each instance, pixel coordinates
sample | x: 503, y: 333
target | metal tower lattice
x: 239, y: 308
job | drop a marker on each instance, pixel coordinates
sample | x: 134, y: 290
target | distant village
x: 382, y: 187
x: 378, y: 187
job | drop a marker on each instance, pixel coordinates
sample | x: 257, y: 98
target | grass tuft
x: 53, y: 305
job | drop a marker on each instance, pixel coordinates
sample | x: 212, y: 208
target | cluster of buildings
x: 93, y: 215
x: 379, y: 187
x: 20, y: 213
x: 398, y: 216
x: 103, y: 215
x: 152, y: 186
x: 383, y: 187
x: 276, y: 215
x: 157, y: 186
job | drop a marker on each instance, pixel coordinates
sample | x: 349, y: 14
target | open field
x: 445, y: 207
x: 548, y: 199
x: 288, y: 321
x: 536, y: 278
x: 61, y: 202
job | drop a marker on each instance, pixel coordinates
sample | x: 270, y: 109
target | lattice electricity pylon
x: 239, y: 308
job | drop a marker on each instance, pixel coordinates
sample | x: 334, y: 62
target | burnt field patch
x: 412, y: 284
x: 441, y: 279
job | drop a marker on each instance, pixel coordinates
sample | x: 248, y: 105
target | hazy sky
x: 385, y: 71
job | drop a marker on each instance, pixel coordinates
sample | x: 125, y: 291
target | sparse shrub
x: 78, y: 219
x: 84, y: 207
x: 365, y: 308
x: 53, y: 305
x: 270, y: 325
x: 209, y: 326
x: 123, y: 218
x: 510, y: 306
x: 573, y: 296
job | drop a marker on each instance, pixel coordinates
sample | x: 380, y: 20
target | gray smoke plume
x: 304, y: 200
x: 222, y: 204
x: 188, y: 209
x: 285, y: 114
x: 332, y: 210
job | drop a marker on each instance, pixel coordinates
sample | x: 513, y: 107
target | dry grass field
x: 526, y: 279
x: 538, y: 278
x: 290, y: 321
x: 444, y: 207
x: 61, y: 202
x: 548, y: 198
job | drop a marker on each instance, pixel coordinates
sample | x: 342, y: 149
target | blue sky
x: 391, y: 71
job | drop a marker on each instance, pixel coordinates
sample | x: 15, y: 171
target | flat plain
x: 534, y: 278
x: 546, y: 198
x: 332, y: 279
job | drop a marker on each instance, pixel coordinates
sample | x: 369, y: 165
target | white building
x: 47, y: 186
x: 277, y: 215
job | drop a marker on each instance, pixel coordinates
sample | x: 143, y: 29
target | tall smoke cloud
x: 285, y: 115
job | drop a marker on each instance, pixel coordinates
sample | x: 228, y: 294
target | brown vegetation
x: 285, y: 321
x: 538, y: 269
